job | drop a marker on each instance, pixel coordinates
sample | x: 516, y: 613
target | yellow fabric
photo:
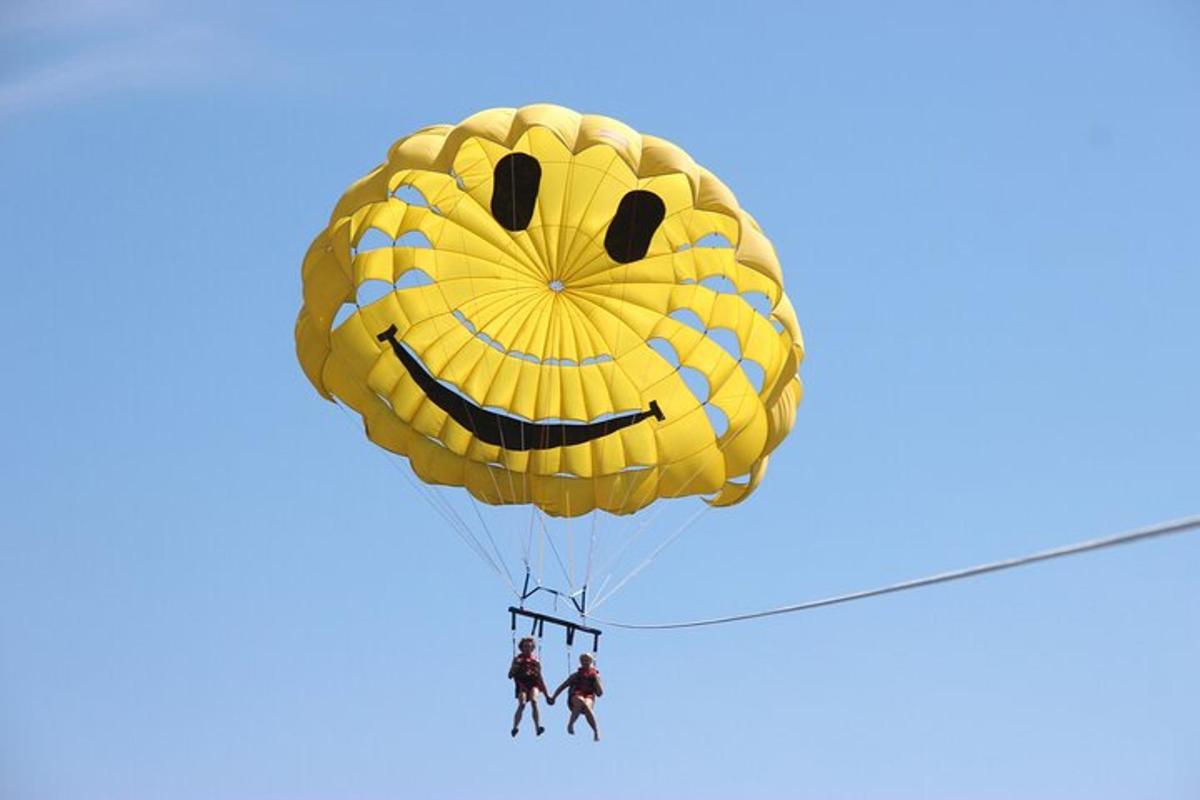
x: 491, y: 325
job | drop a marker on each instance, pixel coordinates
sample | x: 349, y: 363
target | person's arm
x: 599, y: 688
x: 561, y: 686
x: 512, y: 669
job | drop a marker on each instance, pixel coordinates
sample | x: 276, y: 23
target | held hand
x: 549, y: 699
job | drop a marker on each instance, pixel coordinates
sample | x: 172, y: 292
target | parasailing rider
x: 526, y: 673
x: 585, y: 687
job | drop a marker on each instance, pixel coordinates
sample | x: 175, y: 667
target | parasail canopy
x: 553, y: 309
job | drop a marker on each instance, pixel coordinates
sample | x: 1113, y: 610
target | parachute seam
x: 579, y: 271
x: 426, y: 224
x: 770, y: 369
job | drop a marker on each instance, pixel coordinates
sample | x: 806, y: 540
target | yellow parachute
x: 552, y: 308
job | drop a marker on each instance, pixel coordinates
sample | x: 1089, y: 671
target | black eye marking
x: 515, y: 186
x: 504, y: 431
x: 633, y: 226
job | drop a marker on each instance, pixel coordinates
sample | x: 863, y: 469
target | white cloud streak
x: 117, y: 46
x: 65, y: 15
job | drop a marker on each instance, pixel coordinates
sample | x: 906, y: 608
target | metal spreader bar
x: 540, y: 620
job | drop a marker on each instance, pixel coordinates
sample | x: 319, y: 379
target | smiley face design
x: 551, y: 308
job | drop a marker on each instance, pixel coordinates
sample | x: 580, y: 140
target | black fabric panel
x: 515, y: 185
x: 633, y: 226
x: 503, y: 431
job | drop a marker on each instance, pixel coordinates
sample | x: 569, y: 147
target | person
x: 526, y: 673
x: 585, y: 687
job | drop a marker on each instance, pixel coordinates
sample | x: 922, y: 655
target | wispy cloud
x: 105, y: 47
x: 63, y: 15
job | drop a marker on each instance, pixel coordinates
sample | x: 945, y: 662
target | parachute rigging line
x: 654, y: 554
x: 437, y: 320
x: 613, y: 563
x: 448, y: 513
x: 1138, y: 534
x: 554, y: 549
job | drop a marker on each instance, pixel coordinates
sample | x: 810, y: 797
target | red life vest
x: 586, y: 682
x: 529, y: 670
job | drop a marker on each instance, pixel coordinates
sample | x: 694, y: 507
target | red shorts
x: 525, y: 686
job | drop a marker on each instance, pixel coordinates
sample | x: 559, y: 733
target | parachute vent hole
x: 717, y: 419
x: 411, y: 195
x: 495, y: 345
x: 719, y: 284
x: 370, y: 291
x: 413, y: 278
x: 462, y: 318
x: 414, y: 239
x: 373, y: 239
x: 689, y: 318
x: 344, y: 313
x: 759, y: 302
x: 777, y: 325
x: 714, y: 240
x: 665, y: 350
x: 696, y: 382
x: 458, y: 181
x: 754, y: 373
x: 507, y: 412
x: 478, y: 334
x: 490, y: 342
x: 682, y: 247
x: 740, y: 480
x: 728, y: 341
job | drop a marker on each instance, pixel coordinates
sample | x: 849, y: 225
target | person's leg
x: 575, y: 703
x: 533, y: 706
x: 585, y: 706
x: 520, y: 710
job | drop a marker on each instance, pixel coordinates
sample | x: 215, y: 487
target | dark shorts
x: 527, y: 687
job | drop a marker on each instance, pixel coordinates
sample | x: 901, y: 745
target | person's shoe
x: 540, y: 730
x: 514, y: 732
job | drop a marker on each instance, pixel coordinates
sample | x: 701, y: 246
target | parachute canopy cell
x: 552, y: 308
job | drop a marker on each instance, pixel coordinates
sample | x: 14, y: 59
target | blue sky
x: 211, y: 586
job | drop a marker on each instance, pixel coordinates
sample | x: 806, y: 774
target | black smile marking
x: 507, y: 432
